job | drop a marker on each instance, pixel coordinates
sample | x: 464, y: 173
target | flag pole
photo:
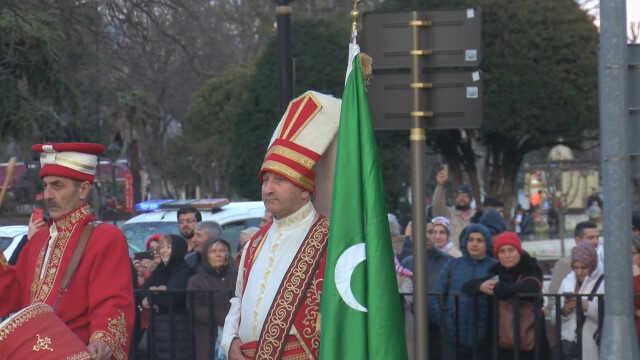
x: 354, y: 21
x: 417, y: 138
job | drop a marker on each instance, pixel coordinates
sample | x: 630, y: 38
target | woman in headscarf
x: 169, y: 327
x: 584, y: 279
x: 211, y: 288
x: 441, y: 237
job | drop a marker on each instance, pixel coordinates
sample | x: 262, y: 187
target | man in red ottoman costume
x: 97, y: 301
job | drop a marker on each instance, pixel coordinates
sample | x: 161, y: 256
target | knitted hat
x: 493, y: 221
x: 441, y: 220
x: 585, y: 254
x: 465, y: 189
x: 504, y: 239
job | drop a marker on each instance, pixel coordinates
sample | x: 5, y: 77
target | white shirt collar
x: 297, y: 217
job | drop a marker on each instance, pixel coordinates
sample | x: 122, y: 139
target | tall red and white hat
x: 304, y: 133
x: 77, y: 161
x: 36, y: 332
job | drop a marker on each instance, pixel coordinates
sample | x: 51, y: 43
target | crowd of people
x: 195, y: 301
x: 475, y: 281
x: 189, y: 279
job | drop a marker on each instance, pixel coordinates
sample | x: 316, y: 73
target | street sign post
x: 453, y: 98
x: 449, y: 46
x: 424, y: 77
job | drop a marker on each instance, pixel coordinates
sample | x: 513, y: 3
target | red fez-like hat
x: 77, y: 161
x: 35, y: 332
x: 302, y: 136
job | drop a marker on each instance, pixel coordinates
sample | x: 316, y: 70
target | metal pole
x: 283, y: 16
x: 617, y: 341
x: 417, y: 140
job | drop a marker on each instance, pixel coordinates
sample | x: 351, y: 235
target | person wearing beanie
x: 515, y: 273
x: 493, y: 221
x: 585, y: 278
x: 460, y: 214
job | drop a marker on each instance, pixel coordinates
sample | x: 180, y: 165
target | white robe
x: 249, y: 309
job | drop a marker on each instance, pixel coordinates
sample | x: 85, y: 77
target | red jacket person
x: 97, y: 303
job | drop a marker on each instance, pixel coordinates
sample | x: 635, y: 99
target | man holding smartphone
x: 76, y: 266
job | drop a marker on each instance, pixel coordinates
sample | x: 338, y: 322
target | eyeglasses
x: 182, y: 222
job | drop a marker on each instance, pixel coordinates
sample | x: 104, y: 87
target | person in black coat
x: 169, y: 331
x: 515, y: 273
x: 211, y: 288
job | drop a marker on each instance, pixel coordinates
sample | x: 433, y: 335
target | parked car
x: 10, y: 236
x: 233, y: 217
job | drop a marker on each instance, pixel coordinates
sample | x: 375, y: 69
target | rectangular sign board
x: 455, y: 99
x: 455, y: 38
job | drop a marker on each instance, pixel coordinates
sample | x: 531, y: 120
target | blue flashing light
x: 150, y: 205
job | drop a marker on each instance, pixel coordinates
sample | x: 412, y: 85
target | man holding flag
x: 361, y: 311
x: 275, y: 313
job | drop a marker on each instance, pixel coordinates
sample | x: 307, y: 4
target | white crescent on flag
x: 345, y: 266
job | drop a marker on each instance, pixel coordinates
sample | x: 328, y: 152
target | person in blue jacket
x: 465, y: 321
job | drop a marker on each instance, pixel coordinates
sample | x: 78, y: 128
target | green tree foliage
x: 232, y: 117
x: 539, y: 74
x: 319, y: 49
x: 44, y: 50
x: 215, y: 116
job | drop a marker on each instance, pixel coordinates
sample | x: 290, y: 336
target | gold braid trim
x: 23, y: 317
x: 80, y: 356
x: 116, y: 336
x: 290, y: 295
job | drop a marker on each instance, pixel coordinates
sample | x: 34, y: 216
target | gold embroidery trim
x: 288, y: 172
x: 79, y: 356
x: 288, y: 298
x: 23, y: 317
x: 311, y: 329
x: 116, y: 337
x: 41, y: 288
x: 292, y: 155
x: 42, y: 344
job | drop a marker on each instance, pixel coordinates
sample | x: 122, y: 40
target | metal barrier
x: 486, y: 348
x: 175, y: 323
x: 179, y: 315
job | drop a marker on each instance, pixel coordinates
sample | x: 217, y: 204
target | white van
x: 233, y: 217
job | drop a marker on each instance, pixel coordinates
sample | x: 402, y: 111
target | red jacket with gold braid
x: 98, y: 303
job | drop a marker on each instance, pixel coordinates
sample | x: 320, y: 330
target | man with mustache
x: 75, y: 265
x: 275, y: 311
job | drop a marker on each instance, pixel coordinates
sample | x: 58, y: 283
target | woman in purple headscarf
x: 585, y: 279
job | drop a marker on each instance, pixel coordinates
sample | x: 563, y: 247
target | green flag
x: 360, y: 307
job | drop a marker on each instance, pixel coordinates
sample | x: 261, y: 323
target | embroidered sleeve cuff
x: 110, y: 341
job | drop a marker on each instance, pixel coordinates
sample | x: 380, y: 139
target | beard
x: 463, y: 207
x: 188, y: 235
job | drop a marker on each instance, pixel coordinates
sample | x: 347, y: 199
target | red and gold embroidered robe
x: 292, y: 327
x: 98, y: 303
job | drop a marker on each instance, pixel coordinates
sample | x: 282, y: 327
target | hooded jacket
x: 174, y: 275
x: 450, y: 283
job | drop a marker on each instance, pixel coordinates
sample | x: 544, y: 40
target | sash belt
x: 292, y: 350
